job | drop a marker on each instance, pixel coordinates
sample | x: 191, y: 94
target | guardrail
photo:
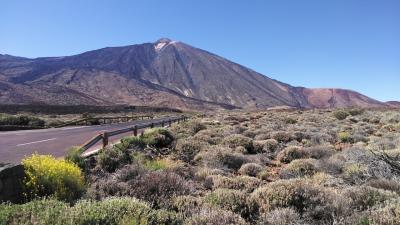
x: 98, y: 120
x: 104, y: 137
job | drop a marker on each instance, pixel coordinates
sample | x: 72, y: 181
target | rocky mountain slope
x: 164, y: 73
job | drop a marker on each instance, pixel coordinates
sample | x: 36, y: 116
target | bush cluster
x: 236, y: 167
x: 47, y: 176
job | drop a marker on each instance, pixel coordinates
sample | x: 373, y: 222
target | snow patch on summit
x: 159, y: 46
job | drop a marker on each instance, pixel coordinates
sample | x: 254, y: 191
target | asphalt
x: 15, y: 145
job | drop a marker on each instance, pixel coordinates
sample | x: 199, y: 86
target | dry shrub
x: 274, y: 195
x: 211, y: 216
x: 291, y: 153
x: 231, y: 200
x: 265, y: 146
x: 309, y: 200
x: 271, y: 145
x: 187, y: 205
x: 385, y: 184
x: 186, y: 150
x: 299, y: 168
x: 236, y: 140
x: 388, y: 214
x: 155, y: 187
x: 281, y: 216
x: 159, y: 187
x: 250, y: 169
x: 319, y: 152
x: 373, y: 165
x: 202, y: 173
x: 282, y: 136
x: 195, y: 126
x: 365, y: 197
x: 244, y: 183
x: 222, y: 157
x: 356, y: 173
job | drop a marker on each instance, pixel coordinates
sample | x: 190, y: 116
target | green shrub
x: 231, y: 200
x: 264, y: 174
x: 345, y: 137
x: 356, y: 111
x: 44, y: 212
x: 157, y: 164
x: 74, y: 155
x: 111, y: 211
x: 195, y: 126
x: 341, y: 114
x: 158, y: 137
x: 291, y: 153
x: 46, y: 176
x: 355, y: 173
x: 111, y: 158
x: 186, y: 150
x: 120, y: 210
x: 290, y: 120
x: 131, y: 142
x: 21, y: 120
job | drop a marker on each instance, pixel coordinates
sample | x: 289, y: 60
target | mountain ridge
x: 163, y: 73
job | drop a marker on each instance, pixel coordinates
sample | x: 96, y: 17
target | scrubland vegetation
x: 18, y: 117
x: 267, y: 167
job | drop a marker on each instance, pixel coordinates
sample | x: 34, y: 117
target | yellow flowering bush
x: 47, y: 176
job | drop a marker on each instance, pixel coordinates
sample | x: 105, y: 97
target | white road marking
x: 71, y: 128
x: 34, y: 142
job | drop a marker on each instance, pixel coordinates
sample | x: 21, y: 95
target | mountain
x: 393, y: 104
x: 164, y: 73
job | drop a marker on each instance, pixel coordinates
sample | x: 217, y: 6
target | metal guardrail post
x: 105, y: 139
x: 135, y: 130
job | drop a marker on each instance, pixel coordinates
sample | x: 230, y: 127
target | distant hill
x: 165, y: 73
x: 393, y: 104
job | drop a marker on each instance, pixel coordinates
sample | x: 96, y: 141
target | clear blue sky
x: 352, y: 44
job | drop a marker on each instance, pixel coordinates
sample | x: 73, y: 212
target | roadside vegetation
x: 237, y: 167
x: 22, y: 117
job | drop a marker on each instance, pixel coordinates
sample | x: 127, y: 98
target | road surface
x: 15, y: 145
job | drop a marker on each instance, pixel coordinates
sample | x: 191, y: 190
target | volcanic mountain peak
x: 162, y: 42
x: 163, y: 73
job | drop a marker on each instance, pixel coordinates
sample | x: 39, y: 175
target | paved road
x: 15, y: 145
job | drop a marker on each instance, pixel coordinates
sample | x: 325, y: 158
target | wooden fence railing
x: 104, y: 120
x: 104, y: 137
